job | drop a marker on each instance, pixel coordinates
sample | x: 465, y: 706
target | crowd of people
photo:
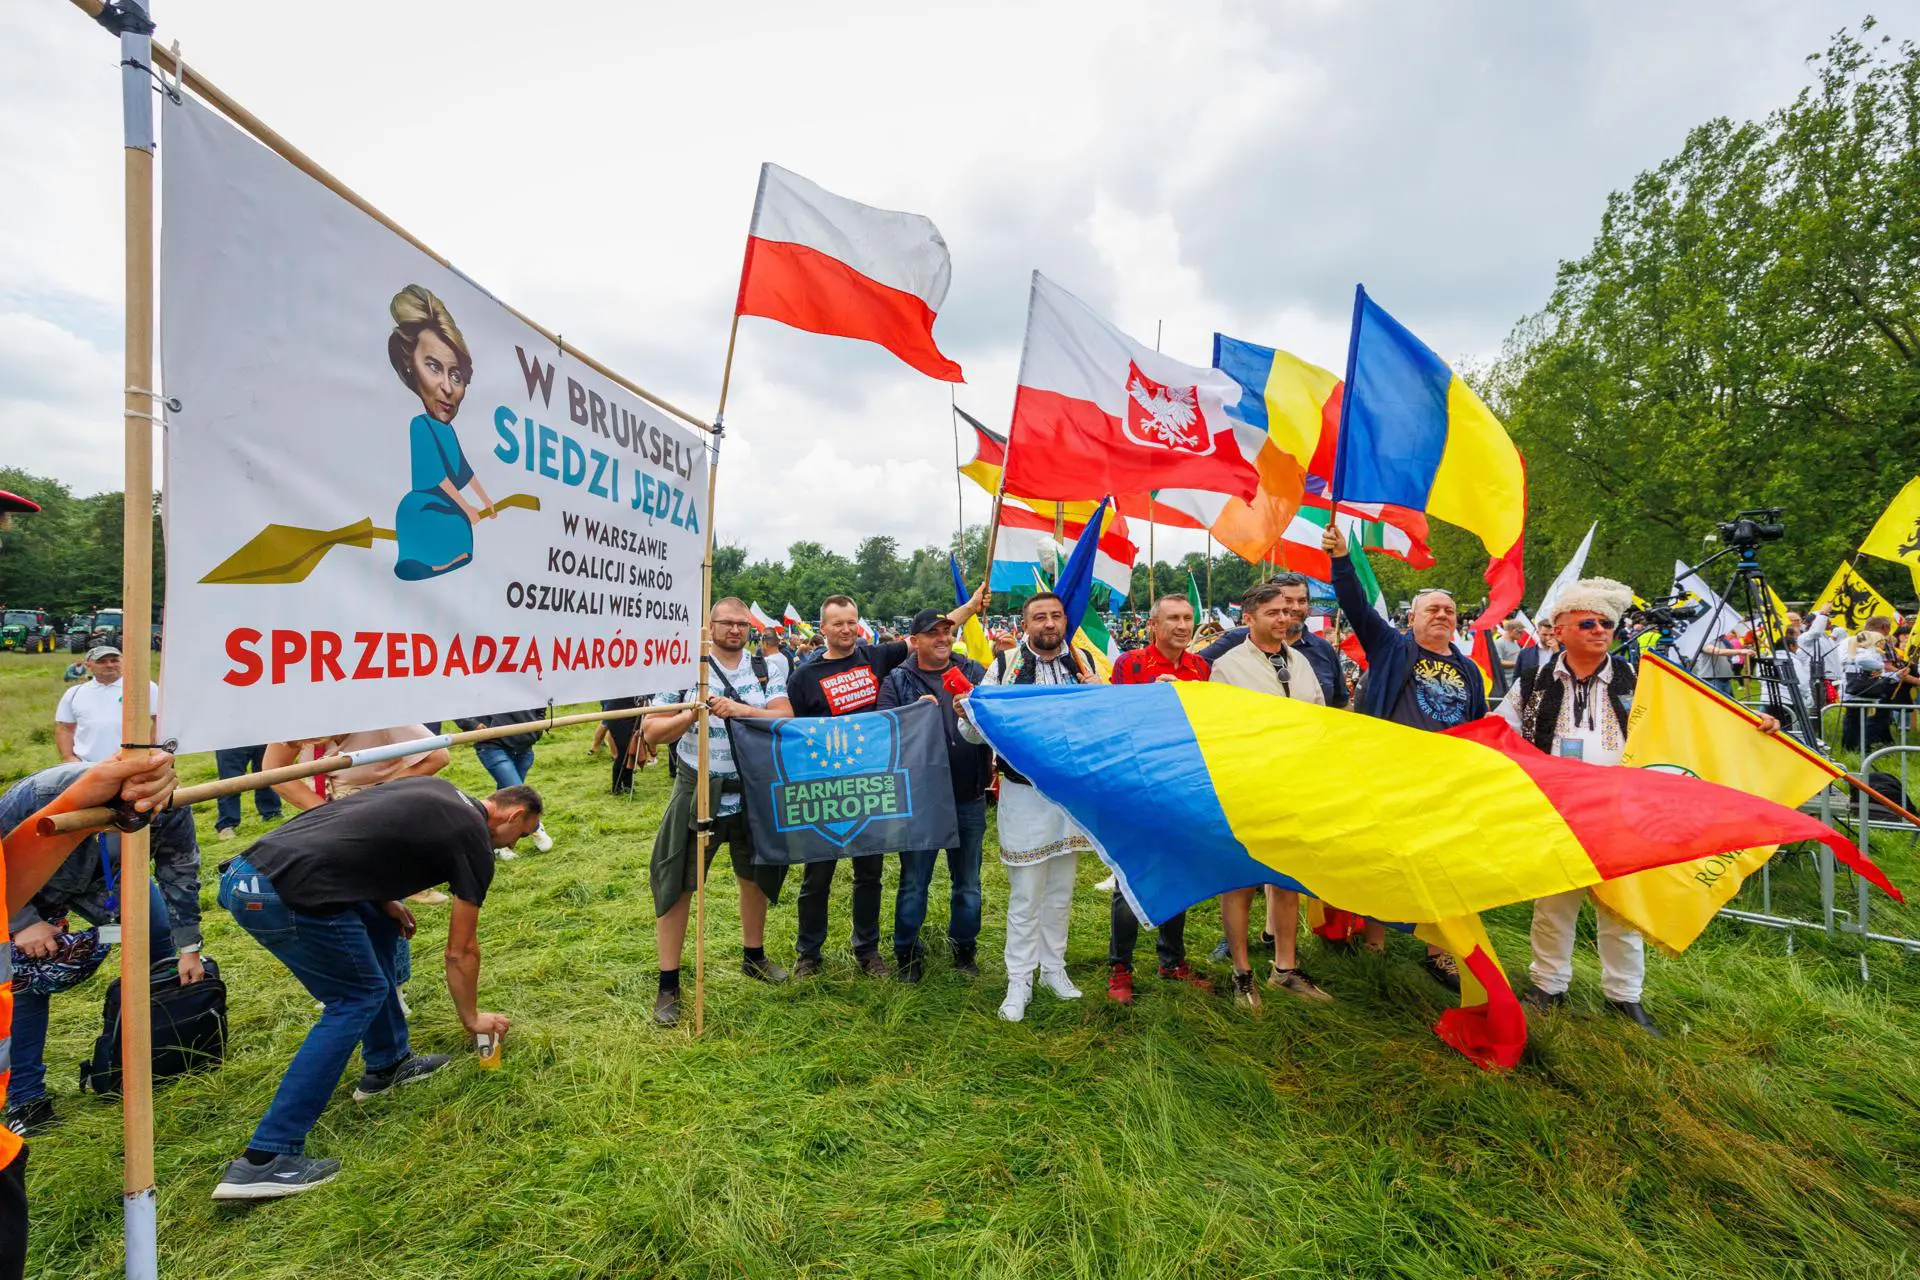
x: 330, y: 894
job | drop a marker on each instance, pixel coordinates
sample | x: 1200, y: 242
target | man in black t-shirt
x: 843, y: 681
x: 325, y: 894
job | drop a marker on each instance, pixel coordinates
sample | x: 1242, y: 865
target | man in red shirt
x: 1170, y: 628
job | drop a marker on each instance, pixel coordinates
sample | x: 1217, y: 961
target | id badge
x: 1570, y: 748
x: 109, y: 934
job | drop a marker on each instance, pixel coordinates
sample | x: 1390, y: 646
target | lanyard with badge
x: 1573, y: 748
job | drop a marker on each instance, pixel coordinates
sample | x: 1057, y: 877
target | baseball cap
x: 926, y: 620
x: 100, y: 651
x: 14, y: 502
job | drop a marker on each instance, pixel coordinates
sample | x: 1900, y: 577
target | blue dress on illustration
x: 429, y: 527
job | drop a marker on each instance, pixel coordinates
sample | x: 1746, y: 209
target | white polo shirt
x: 93, y: 709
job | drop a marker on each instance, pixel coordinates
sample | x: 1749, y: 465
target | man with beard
x: 846, y: 680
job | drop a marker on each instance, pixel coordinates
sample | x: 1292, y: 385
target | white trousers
x: 1623, y: 952
x: 1039, y: 905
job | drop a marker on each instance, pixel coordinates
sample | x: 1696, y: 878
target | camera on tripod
x: 1749, y: 529
x: 1664, y: 614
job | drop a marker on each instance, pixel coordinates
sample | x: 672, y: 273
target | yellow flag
x: 1681, y: 726
x: 1850, y: 599
x: 1896, y: 536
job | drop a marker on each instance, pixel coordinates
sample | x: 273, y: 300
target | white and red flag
x: 1098, y: 413
x: 760, y: 618
x: 792, y: 616
x: 827, y: 264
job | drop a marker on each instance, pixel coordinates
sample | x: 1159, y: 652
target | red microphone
x: 956, y: 682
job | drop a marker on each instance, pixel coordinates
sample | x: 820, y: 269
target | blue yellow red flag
x: 1413, y: 434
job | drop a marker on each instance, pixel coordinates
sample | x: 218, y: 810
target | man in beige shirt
x: 1265, y: 663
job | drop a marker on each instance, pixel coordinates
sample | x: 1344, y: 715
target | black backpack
x: 189, y: 1028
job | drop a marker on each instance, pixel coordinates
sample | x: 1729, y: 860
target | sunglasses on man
x: 1595, y: 624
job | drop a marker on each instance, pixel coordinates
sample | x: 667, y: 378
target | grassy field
x: 847, y: 1127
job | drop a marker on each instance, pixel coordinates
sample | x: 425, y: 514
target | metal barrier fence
x: 1900, y: 758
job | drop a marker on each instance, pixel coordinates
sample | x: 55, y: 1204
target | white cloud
x: 1225, y: 164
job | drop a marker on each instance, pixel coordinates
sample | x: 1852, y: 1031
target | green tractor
x: 26, y: 631
x: 97, y: 628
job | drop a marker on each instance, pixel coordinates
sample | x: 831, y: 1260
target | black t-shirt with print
x: 379, y: 845
x: 843, y: 686
x: 1435, y: 696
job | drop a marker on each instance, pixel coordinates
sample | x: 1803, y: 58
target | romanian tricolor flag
x: 1413, y: 434
x: 1466, y: 821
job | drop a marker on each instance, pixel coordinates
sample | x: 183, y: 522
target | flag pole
x: 959, y: 487
x: 129, y: 20
x: 1209, y: 570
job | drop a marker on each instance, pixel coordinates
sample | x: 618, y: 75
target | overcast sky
x: 1206, y: 165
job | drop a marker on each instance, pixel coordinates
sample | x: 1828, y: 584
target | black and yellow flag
x: 1850, y: 599
x: 1896, y: 536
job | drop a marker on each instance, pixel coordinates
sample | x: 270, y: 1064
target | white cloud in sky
x: 1221, y: 164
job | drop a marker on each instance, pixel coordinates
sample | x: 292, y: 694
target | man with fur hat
x: 1574, y: 704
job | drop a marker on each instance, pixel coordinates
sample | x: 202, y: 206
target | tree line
x: 1743, y: 332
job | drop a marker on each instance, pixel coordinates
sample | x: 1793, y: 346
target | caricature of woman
x: 434, y: 523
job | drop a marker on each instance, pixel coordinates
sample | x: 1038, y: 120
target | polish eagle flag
x: 827, y: 264
x: 1098, y: 413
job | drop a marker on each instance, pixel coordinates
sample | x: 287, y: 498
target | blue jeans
x: 345, y: 962
x: 234, y: 762
x: 30, y: 1012
x: 509, y: 768
x: 963, y: 867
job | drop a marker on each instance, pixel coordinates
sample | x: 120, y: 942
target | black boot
x: 1632, y: 1012
x: 907, y: 964
x: 964, y: 962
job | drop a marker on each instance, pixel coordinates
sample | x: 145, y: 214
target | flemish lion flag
x: 1850, y: 599
x: 1679, y: 725
x: 1896, y: 535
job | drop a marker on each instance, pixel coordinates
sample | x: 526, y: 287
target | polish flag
x: 792, y: 616
x: 826, y: 264
x: 760, y: 618
x: 1098, y: 413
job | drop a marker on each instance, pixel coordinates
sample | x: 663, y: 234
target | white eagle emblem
x: 1165, y: 417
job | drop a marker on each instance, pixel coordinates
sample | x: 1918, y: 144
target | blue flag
x: 1074, y: 583
x: 960, y: 593
x: 820, y: 788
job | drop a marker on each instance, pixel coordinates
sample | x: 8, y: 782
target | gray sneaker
x: 407, y: 1071
x: 284, y: 1176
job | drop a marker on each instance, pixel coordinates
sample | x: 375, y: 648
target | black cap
x: 925, y: 621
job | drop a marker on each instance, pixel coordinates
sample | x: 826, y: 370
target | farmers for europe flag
x: 1414, y: 435
x: 826, y: 788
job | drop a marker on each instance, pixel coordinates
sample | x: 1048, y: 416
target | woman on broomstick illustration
x: 434, y: 523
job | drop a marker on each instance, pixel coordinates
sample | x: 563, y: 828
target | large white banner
x: 388, y: 500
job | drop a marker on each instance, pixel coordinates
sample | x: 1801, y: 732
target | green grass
x: 846, y: 1127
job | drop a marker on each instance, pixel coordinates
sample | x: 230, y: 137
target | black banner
x: 819, y: 789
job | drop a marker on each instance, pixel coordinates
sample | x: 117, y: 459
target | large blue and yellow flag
x: 1413, y: 434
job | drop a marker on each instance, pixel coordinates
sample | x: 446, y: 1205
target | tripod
x: 1772, y: 664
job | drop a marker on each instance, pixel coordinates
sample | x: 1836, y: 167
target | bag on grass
x: 189, y: 1027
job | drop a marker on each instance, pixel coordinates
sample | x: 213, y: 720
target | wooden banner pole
x: 92, y: 819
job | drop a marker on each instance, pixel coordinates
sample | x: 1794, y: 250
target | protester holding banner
x: 1165, y: 658
x: 324, y: 894
x: 1040, y: 845
x: 140, y: 780
x: 86, y: 885
x: 1265, y: 663
x: 936, y: 674
x: 742, y: 693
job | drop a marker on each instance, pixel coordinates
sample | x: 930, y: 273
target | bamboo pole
x: 140, y: 1196
x: 207, y: 90
x: 90, y: 819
